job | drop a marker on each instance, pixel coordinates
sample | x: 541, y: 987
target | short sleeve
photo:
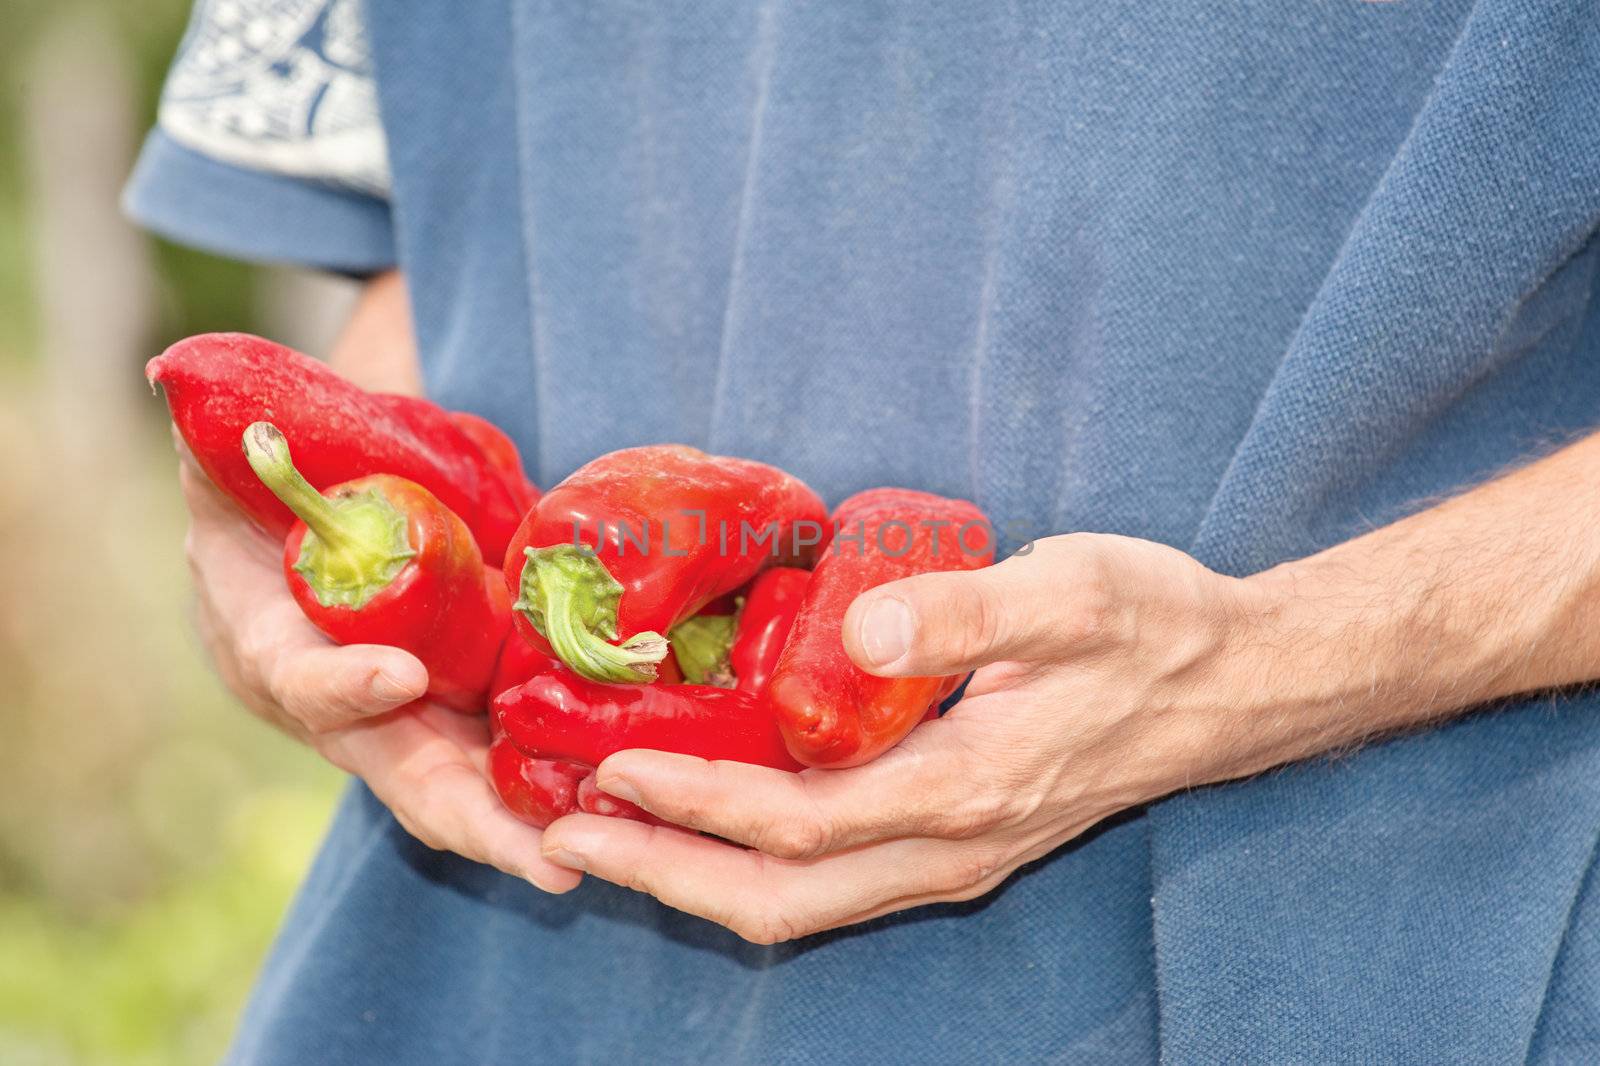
x: 269, y: 145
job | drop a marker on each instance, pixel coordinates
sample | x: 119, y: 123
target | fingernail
x: 886, y: 630
x: 563, y: 857
x: 387, y: 688
x: 619, y: 787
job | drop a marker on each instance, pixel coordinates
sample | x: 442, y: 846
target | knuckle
x: 193, y: 546
x: 984, y: 627
x: 690, y: 809
x: 972, y: 874
x: 1088, y: 604
x: 255, y: 644
x: 186, y: 479
x: 801, y: 838
x: 417, y: 829
x: 279, y: 686
x: 766, y: 926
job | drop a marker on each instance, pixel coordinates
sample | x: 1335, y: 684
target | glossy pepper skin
x: 218, y: 383
x: 831, y: 712
x: 538, y: 791
x: 518, y: 661
x: 559, y: 715
x: 379, y: 560
x: 592, y: 801
x: 769, y: 611
x: 641, y: 539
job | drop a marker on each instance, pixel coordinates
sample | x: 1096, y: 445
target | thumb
x: 942, y: 624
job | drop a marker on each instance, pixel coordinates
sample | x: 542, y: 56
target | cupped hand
x: 1110, y: 672
x: 360, y: 706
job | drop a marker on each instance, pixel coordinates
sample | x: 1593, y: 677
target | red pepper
x: 832, y: 712
x: 538, y: 791
x: 519, y: 661
x: 592, y: 801
x: 379, y: 560
x: 641, y: 539
x: 501, y: 452
x: 560, y: 715
x: 767, y: 617
x: 219, y: 383
x: 667, y: 671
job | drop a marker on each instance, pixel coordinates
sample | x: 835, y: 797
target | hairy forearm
x: 1490, y: 594
x: 376, y: 349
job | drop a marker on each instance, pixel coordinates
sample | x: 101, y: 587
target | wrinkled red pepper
x: 641, y: 539
x: 769, y: 611
x: 831, y: 712
x: 379, y: 560
x: 219, y: 383
x: 592, y: 801
x: 559, y: 715
x: 538, y: 791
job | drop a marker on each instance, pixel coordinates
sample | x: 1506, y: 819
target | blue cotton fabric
x: 1245, y: 279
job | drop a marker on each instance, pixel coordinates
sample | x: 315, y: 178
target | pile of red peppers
x: 659, y: 597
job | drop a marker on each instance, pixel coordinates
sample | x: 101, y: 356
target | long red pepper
x: 539, y: 790
x: 769, y: 611
x: 832, y: 712
x: 560, y: 715
x: 219, y: 383
x: 641, y: 539
x: 379, y: 560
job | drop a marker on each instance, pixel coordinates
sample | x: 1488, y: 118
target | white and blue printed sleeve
x: 269, y: 145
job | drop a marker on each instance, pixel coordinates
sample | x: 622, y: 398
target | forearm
x: 1493, y: 593
x: 377, y: 349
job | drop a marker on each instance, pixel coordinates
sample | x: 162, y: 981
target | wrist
x: 1278, y: 671
x: 1351, y: 650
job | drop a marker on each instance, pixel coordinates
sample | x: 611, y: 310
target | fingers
x: 925, y: 786
x: 323, y: 686
x: 762, y: 899
x: 439, y: 795
x: 954, y: 622
x: 205, y: 501
x: 265, y: 649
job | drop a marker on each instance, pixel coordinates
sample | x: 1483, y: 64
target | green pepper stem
x: 701, y: 644
x: 356, y: 543
x: 568, y: 595
x: 268, y: 451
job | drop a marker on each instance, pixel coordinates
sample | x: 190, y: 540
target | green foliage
x: 160, y: 979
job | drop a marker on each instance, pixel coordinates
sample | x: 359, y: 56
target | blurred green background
x: 151, y: 832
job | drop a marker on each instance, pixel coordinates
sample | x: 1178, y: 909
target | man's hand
x: 359, y: 706
x: 1106, y: 671
x: 1111, y: 672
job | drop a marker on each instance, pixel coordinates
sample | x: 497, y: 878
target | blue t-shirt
x: 1245, y: 279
